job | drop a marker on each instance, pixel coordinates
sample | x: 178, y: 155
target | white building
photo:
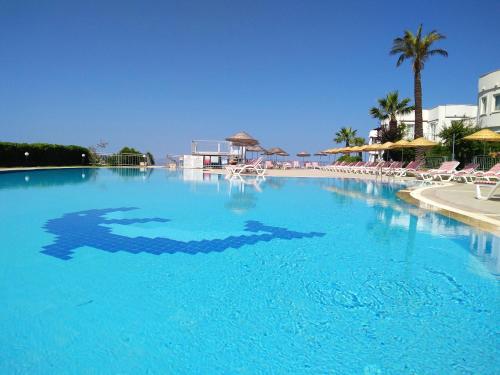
x: 489, y: 101
x: 486, y: 114
x: 435, y: 119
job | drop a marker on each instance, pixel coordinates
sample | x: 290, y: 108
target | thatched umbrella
x: 320, y: 154
x: 400, y: 145
x: 303, y: 154
x: 421, y: 143
x: 484, y: 135
x: 255, y: 148
x: 242, y: 139
x: 276, y: 151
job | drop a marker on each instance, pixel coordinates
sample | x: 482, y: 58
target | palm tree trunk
x: 419, y: 131
x: 393, y: 124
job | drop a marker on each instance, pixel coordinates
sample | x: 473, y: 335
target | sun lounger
x: 356, y: 167
x: 367, y: 166
x: 467, y: 174
x: 493, y: 174
x: 493, y: 193
x: 378, y: 168
x: 255, y: 166
x: 394, y: 165
x: 412, y: 168
x: 445, y: 172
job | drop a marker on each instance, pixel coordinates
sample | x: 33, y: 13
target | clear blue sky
x: 156, y: 74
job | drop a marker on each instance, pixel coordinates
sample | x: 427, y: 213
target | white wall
x: 435, y: 119
x: 489, y: 90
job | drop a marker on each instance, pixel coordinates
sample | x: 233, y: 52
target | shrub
x: 41, y: 154
x: 349, y: 158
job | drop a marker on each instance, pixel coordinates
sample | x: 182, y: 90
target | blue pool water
x: 122, y: 271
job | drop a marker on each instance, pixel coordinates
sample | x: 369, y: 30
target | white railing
x: 211, y: 147
x: 123, y: 159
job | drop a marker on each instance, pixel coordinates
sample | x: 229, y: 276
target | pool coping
x: 474, y: 219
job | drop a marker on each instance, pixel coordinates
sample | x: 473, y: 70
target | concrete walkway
x: 459, y: 201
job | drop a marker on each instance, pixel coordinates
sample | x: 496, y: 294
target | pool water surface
x: 129, y: 271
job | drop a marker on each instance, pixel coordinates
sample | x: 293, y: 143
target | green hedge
x: 40, y: 154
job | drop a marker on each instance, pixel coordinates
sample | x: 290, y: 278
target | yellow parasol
x: 484, y: 135
x: 400, y: 145
x: 421, y: 143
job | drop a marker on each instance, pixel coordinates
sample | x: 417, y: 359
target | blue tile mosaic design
x: 77, y: 229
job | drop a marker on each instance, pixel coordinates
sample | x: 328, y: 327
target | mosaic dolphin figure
x: 77, y: 229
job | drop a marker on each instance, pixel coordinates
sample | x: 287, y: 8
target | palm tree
x: 417, y: 48
x: 346, y: 135
x: 390, y: 107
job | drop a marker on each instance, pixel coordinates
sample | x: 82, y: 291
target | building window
x: 484, y: 103
x: 497, y: 102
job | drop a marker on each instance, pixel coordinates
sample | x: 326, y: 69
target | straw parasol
x: 400, y: 145
x: 421, y: 143
x: 256, y: 148
x: 303, y: 154
x: 484, y: 135
x: 242, y: 139
x: 330, y: 151
x: 276, y: 151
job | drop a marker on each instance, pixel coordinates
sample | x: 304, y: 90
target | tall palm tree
x: 417, y: 48
x: 390, y: 107
x: 345, y: 135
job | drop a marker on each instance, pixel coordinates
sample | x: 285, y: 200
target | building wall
x: 489, y: 101
x: 435, y: 119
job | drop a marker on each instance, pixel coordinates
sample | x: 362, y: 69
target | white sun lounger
x: 493, y: 193
x: 255, y: 166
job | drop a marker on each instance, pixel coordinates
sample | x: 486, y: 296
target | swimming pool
x: 106, y: 271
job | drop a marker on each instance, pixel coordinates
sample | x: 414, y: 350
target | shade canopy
x: 374, y: 147
x: 356, y: 149
x: 275, y: 151
x: 386, y: 146
x: 255, y: 148
x: 284, y: 153
x: 303, y: 154
x: 400, y: 144
x: 420, y: 143
x: 242, y: 139
x: 330, y: 151
x: 484, y: 135
x: 320, y: 153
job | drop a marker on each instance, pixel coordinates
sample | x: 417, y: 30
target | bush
x: 41, y: 154
x: 349, y: 158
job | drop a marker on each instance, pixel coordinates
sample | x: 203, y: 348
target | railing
x: 485, y: 162
x: 122, y: 160
x: 210, y: 147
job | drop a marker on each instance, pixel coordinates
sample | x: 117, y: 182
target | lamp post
x: 26, y: 154
x: 83, y: 159
x: 145, y: 160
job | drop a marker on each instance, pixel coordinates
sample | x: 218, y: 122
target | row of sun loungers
x: 390, y: 168
x: 446, y: 172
